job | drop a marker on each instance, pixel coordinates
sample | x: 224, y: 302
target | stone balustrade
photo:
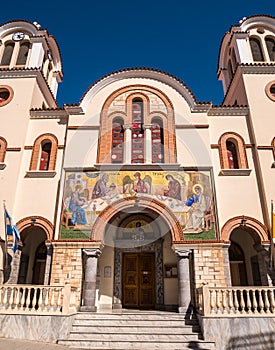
x: 22, y: 298
x: 236, y: 301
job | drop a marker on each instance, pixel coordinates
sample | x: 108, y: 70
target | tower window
x: 256, y: 49
x: 270, y: 44
x: 7, y: 55
x: 23, y: 54
x: 44, y: 153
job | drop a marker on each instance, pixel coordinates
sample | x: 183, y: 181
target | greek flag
x: 12, y: 230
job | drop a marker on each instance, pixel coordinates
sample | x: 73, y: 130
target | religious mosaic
x: 187, y: 193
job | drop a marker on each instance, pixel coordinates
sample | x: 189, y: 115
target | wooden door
x: 139, y: 280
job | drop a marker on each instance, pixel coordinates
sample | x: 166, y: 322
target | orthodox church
x: 139, y: 197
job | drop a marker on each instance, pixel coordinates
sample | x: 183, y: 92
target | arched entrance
x: 248, y: 251
x: 138, y: 252
x: 33, y: 256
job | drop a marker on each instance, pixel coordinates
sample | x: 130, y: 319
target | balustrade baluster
x: 272, y: 301
x: 17, y: 299
x: 28, y: 300
x: 212, y: 301
x: 52, y: 299
x: 40, y: 299
x: 46, y: 302
x: 242, y: 303
x: 230, y: 301
x: 218, y: 301
x: 261, y: 303
x: 266, y: 302
x: 236, y: 301
x: 248, y: 301
x: 254, y: 301
x: 224, y: 301
x: 11, y: 298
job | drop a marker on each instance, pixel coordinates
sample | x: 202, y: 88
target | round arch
x: 97, y: 233
x: 36, y: 221
x: 250, y: 223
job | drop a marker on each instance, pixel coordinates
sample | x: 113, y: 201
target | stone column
x: 89, y: 289
x: 148, y: 142
x: 48, y: 263
x: 183, y: 279
x: 128, y: 144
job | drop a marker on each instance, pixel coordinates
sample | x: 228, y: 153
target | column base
x: 88, y: 309
x: 185, y: 310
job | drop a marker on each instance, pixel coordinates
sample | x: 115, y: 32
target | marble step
x: 114, y: 337
x: 137, y: 345
x: 133, y: 322
x: 149, y: 316
x: 157, y: 329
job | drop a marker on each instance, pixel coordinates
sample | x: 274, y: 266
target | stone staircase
x: 135, y: 330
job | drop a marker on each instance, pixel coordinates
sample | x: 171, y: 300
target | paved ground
x: 14, y: 344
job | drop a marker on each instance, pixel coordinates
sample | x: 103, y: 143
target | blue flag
x: 12, y: 230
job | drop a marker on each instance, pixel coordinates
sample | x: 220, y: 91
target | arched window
x: 3, y: 148
x: 270, y: 44
x: 256, y: 49
x: 23, y: 54
x: 232, y: 151
x: 234, y: 60
x: 137, y: 131
x: 46, y: 147
x: 157, y: 141
x: 117, y: 140
x: 230, y: 70
x: 232, y: 154
x: 7, y: 55
x: 44, y: 153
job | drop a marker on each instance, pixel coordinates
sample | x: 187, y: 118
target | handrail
x: 241, y: 301
x: 25, y: 298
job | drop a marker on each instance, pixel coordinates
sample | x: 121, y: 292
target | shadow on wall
x: 260, y: 341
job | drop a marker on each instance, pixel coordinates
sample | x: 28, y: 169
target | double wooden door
x: 139, y: 280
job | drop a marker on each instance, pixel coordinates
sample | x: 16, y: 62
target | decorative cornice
x: 228, y: 111
x: 257, y: 68
x: 6, y: 73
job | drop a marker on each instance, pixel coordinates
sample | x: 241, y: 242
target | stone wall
x: 246, y: 333
x: 33, y: 327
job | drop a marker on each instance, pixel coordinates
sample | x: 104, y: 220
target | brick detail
x: 240, y: 146
x: 104, y: 145
x: 97, y: 233
x: 37, y: 149
x: 41, y: 222
x: 3, y: 148
x: 257, y: 229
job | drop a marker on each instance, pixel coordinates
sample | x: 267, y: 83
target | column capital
x: 127, y: 127
x: 49, y: 247
x: 93, y: 253
x: 183, y: 253
x: 147, y: 126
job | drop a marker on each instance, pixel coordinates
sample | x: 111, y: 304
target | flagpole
x: 271, y: 236
x: 6, y: 238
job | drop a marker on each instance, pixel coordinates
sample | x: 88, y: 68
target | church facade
x: 140, y: 196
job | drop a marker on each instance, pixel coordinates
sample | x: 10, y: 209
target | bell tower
x: 247, y: 49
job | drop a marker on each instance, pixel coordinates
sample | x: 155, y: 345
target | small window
x: 3, y: 148
x: 232, y: 155
x: 157, y: 141
x: 6, y: 94
x: 137, y: 131
x: 7, y: 55
x: 117, y: 141
x: 270, y: 45
x: 256, y: 49
x: 270, y: 90
x: 45, y: 155
x: 23, y: 54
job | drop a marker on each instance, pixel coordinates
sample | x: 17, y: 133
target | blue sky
x: 98, y: 37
